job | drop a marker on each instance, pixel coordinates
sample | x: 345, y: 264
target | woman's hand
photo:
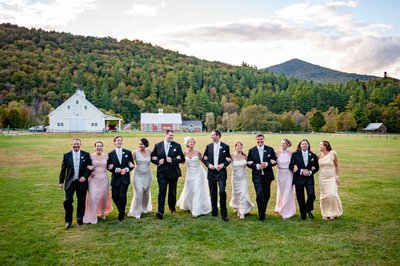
x: 90, y: 167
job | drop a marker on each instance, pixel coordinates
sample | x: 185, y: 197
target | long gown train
x: 195, y: 196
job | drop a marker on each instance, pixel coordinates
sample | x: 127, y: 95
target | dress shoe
x: 160, y: 216
x: 262, y: 220
x: 310, y: 215
x: 303, y: 216
x: 79, y: 223
x: 215, y: 214
x: 67, y: 225
x: 172, y: 211
x: 225, y: 218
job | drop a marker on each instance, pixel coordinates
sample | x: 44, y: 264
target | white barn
x: 78, y: 115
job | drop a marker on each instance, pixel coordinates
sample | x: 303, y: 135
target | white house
x: 158, y: 122
x: 78, y: 115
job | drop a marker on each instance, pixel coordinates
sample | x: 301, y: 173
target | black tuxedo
x: 120, y: 183
x: 301, y: 181
x: 217, y: 178
x: 66, y: 177
x: 167, y: 173
x: 262, y: 178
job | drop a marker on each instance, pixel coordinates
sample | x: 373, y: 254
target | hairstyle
x: 168, y: 131
x: 287, y: 141
x: 239, y: 142
x: 299, y: 145
x: 187, y: 139
x: 145, y: 142
x: 98, y: 142
x: 260, y: 135
x: 77, y: 140
x: 115, y: 138
x: 327, y: 145
x: 217, y: 132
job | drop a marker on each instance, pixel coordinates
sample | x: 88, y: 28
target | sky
x: 357, y: 36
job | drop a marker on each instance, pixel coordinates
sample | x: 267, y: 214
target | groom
x: 261, y: 159
x: 215, y: 159
x: 120, y: 163
x: 167, y: 155
x: 73, y: 178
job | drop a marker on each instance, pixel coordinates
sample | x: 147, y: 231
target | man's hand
x: 110, y: 166
x: 211, y: 166
x: 220, y: 166
x: 169, y: 160
x: 122, y: 171
x: 82, y: 179
x: 161, y: 162
x: 61, y: 186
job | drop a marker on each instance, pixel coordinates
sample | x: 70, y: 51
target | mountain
x: 297, y: 68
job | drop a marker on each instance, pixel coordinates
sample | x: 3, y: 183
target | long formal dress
x: 285, y: 201
x: 195, y: 196
x: 141, y: 201
x: 240, y: 188
x: 98, y: 199
x: 330, y: 203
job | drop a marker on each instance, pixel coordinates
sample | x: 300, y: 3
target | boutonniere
x: 220, y: 148
x: 123, y: 152
x: 309, y: 154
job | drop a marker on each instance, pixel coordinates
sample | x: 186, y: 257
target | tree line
x: 40, y: 69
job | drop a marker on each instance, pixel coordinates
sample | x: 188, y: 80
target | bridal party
x: 101, y: 180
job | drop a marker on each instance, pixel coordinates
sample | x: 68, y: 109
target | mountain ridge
x: 300, y: 69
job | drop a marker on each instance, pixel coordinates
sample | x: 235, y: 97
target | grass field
x: 32, y: 215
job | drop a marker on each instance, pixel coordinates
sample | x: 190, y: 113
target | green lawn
x: 32, y: 215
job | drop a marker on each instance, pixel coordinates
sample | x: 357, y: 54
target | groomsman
x: 73, y: 178
x: 216, y: 158
x: 167, y: 155
x: 120, y: 163
x: 261, y: 159
x: 304, y: 164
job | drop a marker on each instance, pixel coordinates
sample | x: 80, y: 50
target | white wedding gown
x: 195, y: 196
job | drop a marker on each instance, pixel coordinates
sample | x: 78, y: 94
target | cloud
x: 143, y: 10
x: 323, y: 34
x: 53, y: 14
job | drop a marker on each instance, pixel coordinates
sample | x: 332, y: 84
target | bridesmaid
x: 141, y: 201
x: 285, y: 203
x: 98, y: 199
x: 331, y: 206
x: 240, y: 200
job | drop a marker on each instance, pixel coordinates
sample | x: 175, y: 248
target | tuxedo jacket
x: 268, y: 155
x: 168, y: 170
x: 297, y: 159
x: 117, y: 178
x: 67, y: 168
x: 208, y: 158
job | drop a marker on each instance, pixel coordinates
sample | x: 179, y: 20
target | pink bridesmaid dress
x: 98, y: 199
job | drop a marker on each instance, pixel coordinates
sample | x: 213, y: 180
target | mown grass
x: 31, y: 213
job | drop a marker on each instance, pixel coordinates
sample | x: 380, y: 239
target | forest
x: 40, y: 69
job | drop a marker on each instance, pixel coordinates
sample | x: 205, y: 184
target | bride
x: 195, y: 196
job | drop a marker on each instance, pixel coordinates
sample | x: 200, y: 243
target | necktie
x: 261, y: 153
x: 305, y: 158
x: 167, y: 148
x: 119, y: 154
